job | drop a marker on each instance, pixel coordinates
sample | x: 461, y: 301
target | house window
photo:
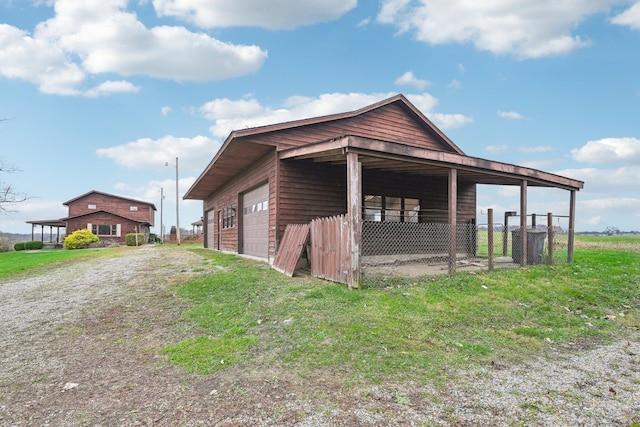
x: 133, y: 208
x: 229, y: 217
x: 104, y: 229
x: 91, y: 206
x: 391, y: 209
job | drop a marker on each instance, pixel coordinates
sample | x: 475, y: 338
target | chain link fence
x: 415, y: 249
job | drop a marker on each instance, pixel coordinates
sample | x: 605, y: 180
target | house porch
x: 449, y: 228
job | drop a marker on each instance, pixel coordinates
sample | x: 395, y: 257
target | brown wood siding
x: 104, y: 218
x: 432, y: 193
x: 389, y: 123
x: 122, y: 207
x: 310, y: 190
x: 263, y: 171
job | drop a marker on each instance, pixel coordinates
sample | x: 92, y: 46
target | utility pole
x: 161, y: 226
x: 177, y: 202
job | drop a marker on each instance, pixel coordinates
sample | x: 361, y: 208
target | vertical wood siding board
x: 326, y: 248
x: 326, y: 238
x: 389, y: 122
x: 316, y: 242
x: 330, y: 248
x: 346, y: 248
x: 339, y: 253
x: 274, y: 206
x: 314, y: 248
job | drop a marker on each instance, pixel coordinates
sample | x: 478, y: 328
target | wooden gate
x: 330, y: 252
x: 291, y: 247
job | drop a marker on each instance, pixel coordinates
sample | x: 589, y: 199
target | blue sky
x: 98, y: 95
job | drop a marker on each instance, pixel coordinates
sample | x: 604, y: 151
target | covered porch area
x: 414, y: 206
x: 56, y: 240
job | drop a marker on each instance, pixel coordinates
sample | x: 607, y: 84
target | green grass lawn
x: 17, y: 262
x: 249, y: 316
x: 253, y: 317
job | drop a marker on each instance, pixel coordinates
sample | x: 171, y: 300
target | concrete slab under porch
x: 416, y: 265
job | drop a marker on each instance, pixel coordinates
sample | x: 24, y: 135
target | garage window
x: 229, y: 217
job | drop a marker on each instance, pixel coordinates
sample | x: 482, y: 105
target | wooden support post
x: 572, y: 222
x: 523, y: 223
x: 533, y: 221
x: 354, y: 206
x: 490, y: 237
x: 550, y: 237
x: 505, y: 235
x: 453, y: 223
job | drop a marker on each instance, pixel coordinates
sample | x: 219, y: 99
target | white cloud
x: 450, y: 121
x: 609, y: 151
x: 39, y: 61
x: 542, y: 164
x: 592, y: 212
x: 630, y: 17
x: 627, y: 205
x: 496, y: 148
x: 366, y: 21
x: 193, y: 153
x: 455, y: 84
x: 409, y: 79
x: 165, y: 110
x: 281, y: 14
x: 151, y: 192
x: 606, y: 181
x: 94, y: 37
x: 110, y: 87
x: 594, y: 220
x: 524, y: 28
x: 511, y: 115
x: 230, y: 115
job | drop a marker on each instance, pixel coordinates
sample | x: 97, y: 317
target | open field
x: 184, y: 336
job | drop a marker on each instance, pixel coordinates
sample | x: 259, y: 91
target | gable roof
x: 241, y: 149
x: 102, y: 211
x: 398, y: 99
x: 108, y: 195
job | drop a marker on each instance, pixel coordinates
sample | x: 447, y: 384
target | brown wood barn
x: 383, y: 163
x: 108, y: 216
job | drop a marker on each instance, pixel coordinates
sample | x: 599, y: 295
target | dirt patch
x: 81, y: 346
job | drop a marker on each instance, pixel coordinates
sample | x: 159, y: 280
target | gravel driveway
x: 80, y: 346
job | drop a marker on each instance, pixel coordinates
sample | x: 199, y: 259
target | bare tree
x: 9, y: 196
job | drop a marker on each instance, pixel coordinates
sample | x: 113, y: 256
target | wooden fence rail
x: 330, y: 254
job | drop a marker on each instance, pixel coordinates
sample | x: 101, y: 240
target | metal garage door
x: 211, y: 237
x: 255, y: 222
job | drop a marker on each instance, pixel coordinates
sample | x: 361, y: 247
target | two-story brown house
x: 108, y: 216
